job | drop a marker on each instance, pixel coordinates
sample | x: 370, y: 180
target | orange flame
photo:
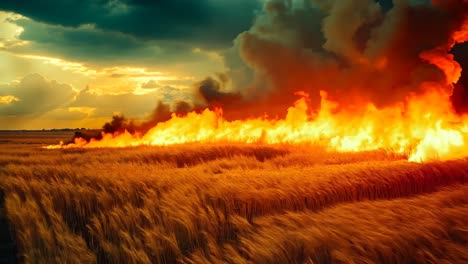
x: 424, y: 134
x: 424, y: 126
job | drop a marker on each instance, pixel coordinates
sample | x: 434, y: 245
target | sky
x: 69, y: 63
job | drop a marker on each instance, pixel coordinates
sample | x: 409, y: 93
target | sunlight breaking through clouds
x: 74, y: 67
x: 83, y: 109
x: 10, y: 32
x: 8, y: 99
x: 117, y: 79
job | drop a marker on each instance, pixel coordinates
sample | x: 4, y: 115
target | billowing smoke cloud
x: 356, y: 50
x: 362, y: 54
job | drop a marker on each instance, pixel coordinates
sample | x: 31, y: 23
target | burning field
x: 391, y: 85
x: 230, y: 203
x: 345, y: 143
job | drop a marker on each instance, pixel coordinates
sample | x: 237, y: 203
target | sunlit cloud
x: 83, y: 109
x: 106, y: 65
x: 74, y: 67
x: 120, y: 80
x: 8, y: 99
x: 115, y: 80
x: 100, y: 77
x: 210, y: 54
x: 10, y: 32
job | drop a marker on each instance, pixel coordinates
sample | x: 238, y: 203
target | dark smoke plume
x: 460, y: 92
x: 357, y: 51
x: 211, y: 91
x: 119, y: 123
x: 365, y: 53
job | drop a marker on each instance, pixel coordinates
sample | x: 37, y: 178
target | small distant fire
x: 424, y: 125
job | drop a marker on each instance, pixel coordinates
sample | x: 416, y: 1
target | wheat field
x: 229, y: 204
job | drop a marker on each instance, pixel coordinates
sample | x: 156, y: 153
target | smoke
x: 352, y: 49
x: 460, y: 92
x: 212, y: 91
x: 120, y: 124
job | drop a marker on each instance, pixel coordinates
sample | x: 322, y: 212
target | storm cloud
x: 206, y: 23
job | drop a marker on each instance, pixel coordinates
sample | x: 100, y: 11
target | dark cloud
x: 388, y: 4
x: 36, y: 95
x: 90, y: 44
x: 205, y: 23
